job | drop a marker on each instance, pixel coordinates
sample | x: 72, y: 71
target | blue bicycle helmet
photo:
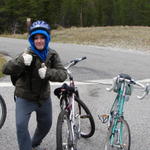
x: 40, y: 24
x: 39, y: 27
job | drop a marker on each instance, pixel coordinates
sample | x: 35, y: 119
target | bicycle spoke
x: 120, y: 140
x: 65, y: 134
x: 86, y: 122
x: 64, y: 139
x: 125, y: 135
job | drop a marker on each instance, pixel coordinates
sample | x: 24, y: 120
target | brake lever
x: 113, y: 85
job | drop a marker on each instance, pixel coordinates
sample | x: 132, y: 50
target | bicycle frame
x: 122, y: 85
x: 75, y: 111
x: 71, y: 104
x: 117, y: 113
x: 67, y: 103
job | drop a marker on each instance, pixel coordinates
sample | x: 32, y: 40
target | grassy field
x: 128, y: 37
x: 134, y: 37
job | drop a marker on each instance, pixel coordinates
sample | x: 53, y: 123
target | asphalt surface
x: 102, y: 63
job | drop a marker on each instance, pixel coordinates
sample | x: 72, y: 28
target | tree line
x: 67, y: 13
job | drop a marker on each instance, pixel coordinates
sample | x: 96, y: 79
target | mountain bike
x: 75, y: 119
x: 3, y: 111
x: 119, y: 136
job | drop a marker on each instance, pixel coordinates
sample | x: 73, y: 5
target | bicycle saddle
x: 125, y: 76
x: 65, y: 89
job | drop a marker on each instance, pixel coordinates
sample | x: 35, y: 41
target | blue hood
x: 42, y: 54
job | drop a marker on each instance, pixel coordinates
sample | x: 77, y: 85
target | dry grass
x: 128, y: 37
x: 2, y: 61
x: 18, y: 36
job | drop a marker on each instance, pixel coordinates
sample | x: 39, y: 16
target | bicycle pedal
x: 104, y: 118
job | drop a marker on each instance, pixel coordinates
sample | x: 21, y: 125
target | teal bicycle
x: 119, y: 136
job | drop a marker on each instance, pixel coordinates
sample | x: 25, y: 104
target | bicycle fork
x: 116, y: 135
x: 74, y: 126
x: 74, y: 135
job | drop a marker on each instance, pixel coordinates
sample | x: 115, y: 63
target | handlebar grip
x: 84, y: 57
x: 78, y: 59
x: 75, y: 61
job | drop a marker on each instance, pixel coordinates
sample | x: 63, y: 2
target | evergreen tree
x: 13, y: 13
x: 107, y: 12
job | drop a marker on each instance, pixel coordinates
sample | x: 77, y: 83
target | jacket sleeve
x: 14, y: 66
x: 56, y: 73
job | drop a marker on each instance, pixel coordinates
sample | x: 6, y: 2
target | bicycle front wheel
x: 3, y: 111
x: 121, y: 139
x: 64, y: 139
x: 87, y: 124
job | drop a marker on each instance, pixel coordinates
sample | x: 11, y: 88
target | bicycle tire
x: 90, y: 124
x: 126, y: 145
x: 59, y: 132
x: 3, y: 111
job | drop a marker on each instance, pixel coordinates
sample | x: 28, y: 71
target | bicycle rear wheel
x: 3, y: 111
x: 121, y: 139
x: 87, y: 124
x: 64, y: 139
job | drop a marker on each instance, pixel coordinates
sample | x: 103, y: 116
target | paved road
x: 102, y: 63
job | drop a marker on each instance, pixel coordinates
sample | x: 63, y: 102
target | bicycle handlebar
x: 74, y: 62
x: 146, y: 91
x: 130, y: 81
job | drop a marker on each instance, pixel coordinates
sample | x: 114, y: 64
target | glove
x: 42, y: 71
x: 27, y: 59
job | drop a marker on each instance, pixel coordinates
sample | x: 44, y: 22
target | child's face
x: 39, y: 41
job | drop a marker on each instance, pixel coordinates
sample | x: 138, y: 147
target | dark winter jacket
x: 30, y: 86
